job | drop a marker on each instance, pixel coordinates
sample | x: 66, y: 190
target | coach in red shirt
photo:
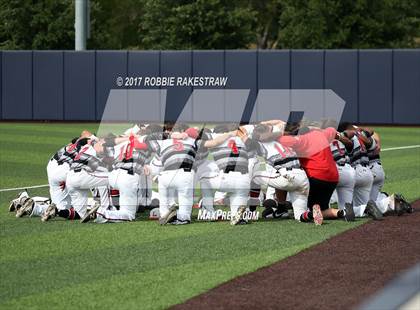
x: 313, y: 149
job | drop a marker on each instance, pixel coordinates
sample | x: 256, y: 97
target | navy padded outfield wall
x: 208, y: 63
x: 379, y: 86
x: 406, y: 73
x: 375, y: 86
x: 16, y: 87
x: 79, y: 86
x: 341, y: 75
x: 47, y: 85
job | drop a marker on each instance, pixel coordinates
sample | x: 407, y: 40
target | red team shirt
x: 313, y: 149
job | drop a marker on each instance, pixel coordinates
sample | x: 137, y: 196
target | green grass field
x: 64, y: 264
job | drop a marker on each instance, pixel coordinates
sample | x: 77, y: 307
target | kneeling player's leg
x: 299, y: 203
x: 239, y: 186
x: 378, y: 180
x: 185, y: 189
x: 79, y: 198
x: 345, y: 186
x: 165, y: 179
x: 298, y: 189
x: 57, y: 175
x: 145, y: 190
x: 209, y: 188
x: 363, y: 185
x: 128, y: 185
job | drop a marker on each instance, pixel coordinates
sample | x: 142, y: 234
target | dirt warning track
x: 339, y: 273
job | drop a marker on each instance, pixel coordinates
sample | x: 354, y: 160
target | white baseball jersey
x: 359, y: 152
x: 339, y: 152
x: 176, y: 154
x: 231, y: 155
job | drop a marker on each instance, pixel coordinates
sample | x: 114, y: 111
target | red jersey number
x: 233, y: 146
x: 178, y: 146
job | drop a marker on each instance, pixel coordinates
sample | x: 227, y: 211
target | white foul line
x: 45, y: 185
x: 401, y: 148
x: 22, y: 188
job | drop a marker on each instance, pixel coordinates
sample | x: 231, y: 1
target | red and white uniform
x: 378, y: 172
x: 363, y: 178
x: 231, y: 158
x: 57, y: 169
x: 283, y: 171
x: 176, y: 179
x: 86, y: 172
x: 128, y: 177
x: 347, y: 174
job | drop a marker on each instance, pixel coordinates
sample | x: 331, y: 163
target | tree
x: 114, y: 24
x: 199, y: 24
x: 349, y: 23
x: 32, y: 24
x: 49, y: 24
x: 267, y: 22
x: 213, y: 24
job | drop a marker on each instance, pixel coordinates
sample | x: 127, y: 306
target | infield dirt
x: 339, y: 273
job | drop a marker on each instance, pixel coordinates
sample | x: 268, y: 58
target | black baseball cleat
x: 398, y: 206
x: 281, y: 210
x: 180, y: 222
x: 270, y: 206
x: 281, y: 214
x: 373, y: 211
x: 287, y: 204
x: 406, y: 206
x: 349, y: 216
x: 268, y: 212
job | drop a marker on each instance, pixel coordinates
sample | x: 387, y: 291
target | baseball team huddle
x: 288, y: 168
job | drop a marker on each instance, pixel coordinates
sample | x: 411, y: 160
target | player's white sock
x: 359, y: 211
x: 38, y: 209
x: 385, y: 204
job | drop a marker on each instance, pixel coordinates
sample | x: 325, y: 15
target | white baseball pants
x: 234, y: 183
x: 206, y: 169
x: 79, y: 185
x: 294, y: 181
x: 384, y: 204
x: 362, y: 186
x: 176, y: 182
x: 378, y: 180
x: 345, y: 186
x: 129, y: 188
x: 57, y: 174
